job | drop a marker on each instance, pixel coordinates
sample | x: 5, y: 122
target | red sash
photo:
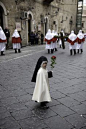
x: 16, y: 40
x: 71, y: 42
x: 3, y: 41
x: 48, y: 41
x: 54, y: 39
x: 80, y: 40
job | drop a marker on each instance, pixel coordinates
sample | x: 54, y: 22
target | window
x: 82, y: 25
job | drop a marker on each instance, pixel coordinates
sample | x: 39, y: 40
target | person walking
x: 48, y: 39
x: 40, y: 76
x: 7, y: 33
x: 80, y: 41
x: 72, y: 42
x: 42, y: 38
x: 3, y: 41
x: 16, y: 40
x: 62, y: 39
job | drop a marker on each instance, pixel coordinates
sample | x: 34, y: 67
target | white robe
x: 41, y: 91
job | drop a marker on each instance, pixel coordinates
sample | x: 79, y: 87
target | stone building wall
x: 84, y: 19
x: 33, y: 15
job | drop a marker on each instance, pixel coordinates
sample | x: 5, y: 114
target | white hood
x: 72, y: 36
x: 15, y: 34
x: 2, y: 34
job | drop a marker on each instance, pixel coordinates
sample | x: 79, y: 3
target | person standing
x: 40, y: 76
x: 62, y: 39
x: 72, y: 42
x: 7, y: 33
x: 3, y: 41
x: 80, y: 41
x: 16, y: 40
x: 36, y: 37
x: 32, y: 38
x: 42, y: 38
x: 48, y: 38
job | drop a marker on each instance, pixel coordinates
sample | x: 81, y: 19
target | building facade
x: 84, y: 19
x: 37, y: 15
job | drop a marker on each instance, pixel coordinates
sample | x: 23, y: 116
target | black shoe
x: 81, y: 50
x: 48, y: 51
x: 70, y: 52
x: 45, y: 107
x: 15, y: 50
x: 2, y: 54
x: 55, y: 49
x: 19, y: 51
x: 78, y: 51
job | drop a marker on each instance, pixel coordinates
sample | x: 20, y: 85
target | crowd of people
x: 75, y: 41
x: 16, y: 39
x: 51, y: 39
x: 35, y: 36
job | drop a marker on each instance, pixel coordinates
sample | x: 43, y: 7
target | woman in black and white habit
x: 80, y: 41
x: 3, y: 41
x: 40, y: 76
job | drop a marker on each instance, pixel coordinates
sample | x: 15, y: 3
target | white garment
x: 72, y: 37
x: 2, y: 34
x: 80, y: 36
x: 15, y: 34
x: 48, y: 37
x: 16, y: 46
x: 48, y: 46
x: 41, y: 91
x: 2, y: 46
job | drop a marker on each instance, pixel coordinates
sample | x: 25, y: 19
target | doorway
x: 1, y: 17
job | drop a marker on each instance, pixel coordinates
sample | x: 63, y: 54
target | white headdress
x: 2, y: 34
x: 72, y: 36
x: 15, y: 34
x: 48, y: 35
x: 80, y: 35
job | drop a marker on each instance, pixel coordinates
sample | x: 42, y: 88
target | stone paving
x: 67, y: 88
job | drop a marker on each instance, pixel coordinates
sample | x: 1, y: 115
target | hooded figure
x: 3, y: 41
x: 41, y: 92
x: 80, y: 41
x: 48, y: 39
x: 16, y: 40
x: 72, y: 42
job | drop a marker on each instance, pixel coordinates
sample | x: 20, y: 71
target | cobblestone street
x: 67, y: 88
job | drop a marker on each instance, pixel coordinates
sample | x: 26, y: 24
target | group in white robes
x: 40, y: 76
x: 80, y: 41
x: 72, y: 39
x: 16, y: 40
x: 3, y: 41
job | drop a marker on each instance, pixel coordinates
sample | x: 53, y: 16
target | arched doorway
x: 29, y: 26
x: 1, y: 16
